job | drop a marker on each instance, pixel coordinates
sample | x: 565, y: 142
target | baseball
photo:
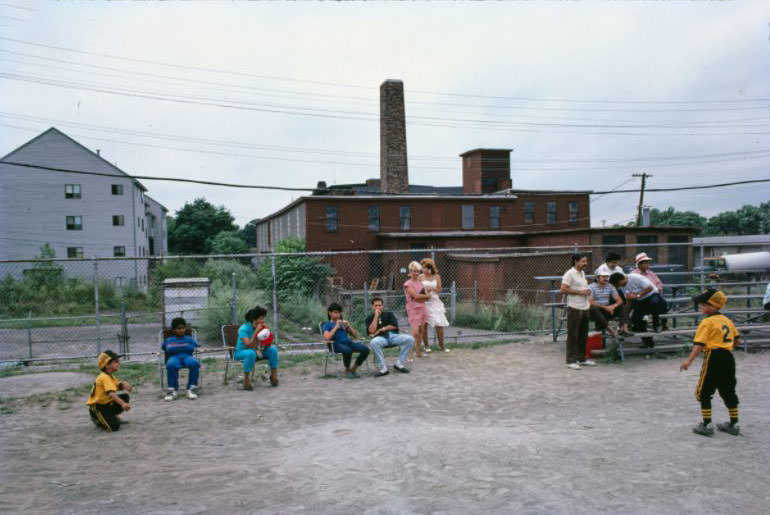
x: 264, y: 334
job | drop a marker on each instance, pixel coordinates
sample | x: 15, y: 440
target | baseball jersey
x: 716, y: 332
x: 104, y: 384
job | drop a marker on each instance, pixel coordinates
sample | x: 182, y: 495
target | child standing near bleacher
x: 716, y: 336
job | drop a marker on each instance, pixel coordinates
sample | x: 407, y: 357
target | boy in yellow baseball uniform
x: 715, y: 337
x: 105, y: 403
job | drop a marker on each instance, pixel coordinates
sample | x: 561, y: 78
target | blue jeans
x: 177, y: 362
x: 404, y: 341
x: 347, y: 348
x: 249, y: 357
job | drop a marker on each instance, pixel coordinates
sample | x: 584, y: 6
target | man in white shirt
x: 645, y: 299
x: 576, y: 291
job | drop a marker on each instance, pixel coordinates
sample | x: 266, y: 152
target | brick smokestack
x: 394, y: 175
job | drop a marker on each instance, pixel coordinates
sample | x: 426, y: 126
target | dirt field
x: 504, y: 429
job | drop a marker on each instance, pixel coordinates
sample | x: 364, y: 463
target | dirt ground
x: 502, y: 429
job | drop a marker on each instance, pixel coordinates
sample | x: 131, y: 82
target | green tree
x: 249, y: 233
x: 195, y: 226
x: 746, y: 220
x: 227, y: 242
x: 672, y: 217
x: 295, y: 275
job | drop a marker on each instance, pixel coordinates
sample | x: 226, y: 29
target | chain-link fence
x: 55, y: 309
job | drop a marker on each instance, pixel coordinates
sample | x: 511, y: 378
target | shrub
x: 508, y: 315
x: 295, y: 275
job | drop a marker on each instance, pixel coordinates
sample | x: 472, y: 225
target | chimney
x: 486, y: 170
x: 394, y: 175
x: 646, y: 216
x: 97, y: 151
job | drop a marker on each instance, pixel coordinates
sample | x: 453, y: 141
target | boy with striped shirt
x: 716, y: 336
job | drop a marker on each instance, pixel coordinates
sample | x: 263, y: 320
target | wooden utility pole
x: 644, y: 176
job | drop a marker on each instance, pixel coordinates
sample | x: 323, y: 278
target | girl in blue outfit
x: 336, y: 330
x: 250, y: 347
x: 179, y: 350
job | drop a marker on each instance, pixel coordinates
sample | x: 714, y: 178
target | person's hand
x: 685, y: 365
x: 611, y: 309
x: 126, y: 406
x: 630, y: 296
x: 586, y: 292
x: 127, y: 387
x: 378, y: 312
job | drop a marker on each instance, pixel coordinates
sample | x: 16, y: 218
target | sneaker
x: 727, y: 427
x: 171, y: 395
x: 573, y: 366
x: 427, y: 350
x: 352, y: 375
x: 191, y: 394
x: 587, y: 363
x: 401, y: 368
x: 382, y: 372
x: 703, y: 429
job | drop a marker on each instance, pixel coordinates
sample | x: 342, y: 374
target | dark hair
x: 612, y: 256
x: 333, y: 307
x: 255, y: 313
x: 616, y: 278
x: 177, y: 322
x: 577, y: 257
x: 375, y: 299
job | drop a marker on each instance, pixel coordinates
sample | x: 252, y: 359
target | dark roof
x: 448, y: 234
x: 486, y: 150
x: 365, y: 189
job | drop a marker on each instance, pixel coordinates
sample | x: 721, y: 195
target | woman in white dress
x: 431, y: 281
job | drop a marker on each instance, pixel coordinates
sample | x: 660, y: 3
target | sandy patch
x: 504, y: 429
x: 31, y: 384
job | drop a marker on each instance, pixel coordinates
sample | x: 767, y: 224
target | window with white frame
x: 72, y: 191
x: 74, y: 223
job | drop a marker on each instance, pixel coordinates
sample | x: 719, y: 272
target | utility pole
x: 644, y: 176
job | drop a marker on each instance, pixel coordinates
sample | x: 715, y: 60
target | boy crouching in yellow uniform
x: 716, y: 336
x: 105, y: 403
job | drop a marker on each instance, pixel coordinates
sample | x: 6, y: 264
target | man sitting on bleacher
x: 645, y: 300
x: 643, y: 262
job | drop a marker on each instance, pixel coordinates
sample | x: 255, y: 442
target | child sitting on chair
x: 179, y: 350
x: 251, y: 347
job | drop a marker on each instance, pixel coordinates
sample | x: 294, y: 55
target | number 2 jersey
x: 716, y: 332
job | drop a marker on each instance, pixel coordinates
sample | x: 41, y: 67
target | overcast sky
x: 586, y: 93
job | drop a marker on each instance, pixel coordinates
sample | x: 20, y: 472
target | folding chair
x: 229, y: 341
x: 163, y: 356
x: 336, y: 357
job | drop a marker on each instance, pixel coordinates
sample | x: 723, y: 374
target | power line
x: 282, y: 188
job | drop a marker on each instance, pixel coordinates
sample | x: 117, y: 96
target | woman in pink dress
x: 415, y: 304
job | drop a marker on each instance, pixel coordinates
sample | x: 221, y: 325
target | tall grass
x: 508, y: 315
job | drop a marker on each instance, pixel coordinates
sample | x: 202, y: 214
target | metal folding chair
x: 229, y: 341
x: 163, y: 356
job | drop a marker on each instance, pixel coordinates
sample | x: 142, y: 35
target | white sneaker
x: 171, y: 395
x: 587, y: 363
x: 191, y: 395
x: 573, y: 366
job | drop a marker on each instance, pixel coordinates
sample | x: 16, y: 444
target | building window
x: 404, y: 218
x: 331, y: 219
x: 614, y: 239
x: 374, y: 218
x: 467, y: 216
x: 120, y: 282
x: 142, y: 224
x: 72, y: 191
x: 74, y: 223
x: 529, y: 212
x: 648, y: 244
x: 494, y: 217
x: 551, y: 212
x: 677, y: 254
x: 119, y: 251
x: 74, y: 252
x: 573, y: 211
x: 117, y: 189
x: 118, y: 220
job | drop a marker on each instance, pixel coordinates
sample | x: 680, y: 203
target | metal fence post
x: 234, y: 303
x: 366, y: 300
x: 96, y: 307
x: 275, y: 297
x: 553, y: 313
x: 475, y: 295
x: 702, y: 277
x: 123, y: 335
x: 29, y: 332
x: 453, y: 302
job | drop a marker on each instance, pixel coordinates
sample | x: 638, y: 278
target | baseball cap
x: 105, y: 357
x: 642, y: 256
x: 711, y: 296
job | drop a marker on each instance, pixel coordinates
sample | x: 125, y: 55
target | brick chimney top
x: 486, y: 170
x: 394, y: 173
